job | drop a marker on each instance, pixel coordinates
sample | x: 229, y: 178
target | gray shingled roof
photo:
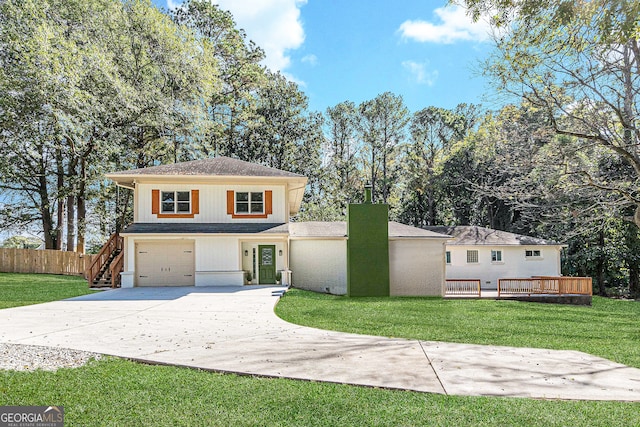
x: 217, y: 166
x: 339, y: 229
x: 204, y: 228
x: 465, y: 235
x: 295, y: 229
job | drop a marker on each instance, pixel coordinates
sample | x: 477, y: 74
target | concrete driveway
x: 236, y: 330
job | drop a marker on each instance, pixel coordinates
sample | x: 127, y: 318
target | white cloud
x: 274, y: 25
x: 173, y: 4
x: 454, y: 26
x: 420, y: 73
x: 310, y: 59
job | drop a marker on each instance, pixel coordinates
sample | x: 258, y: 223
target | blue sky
x: 339, y: 50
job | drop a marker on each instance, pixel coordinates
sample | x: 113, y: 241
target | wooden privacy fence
x: 546, y: 285
x: 43, y: 261
x: 463, y: 287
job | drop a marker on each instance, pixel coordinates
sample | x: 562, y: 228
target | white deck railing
x: 463, y: 287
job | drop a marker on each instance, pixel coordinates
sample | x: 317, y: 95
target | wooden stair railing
x: 106, y: 255
x: 117, y: 265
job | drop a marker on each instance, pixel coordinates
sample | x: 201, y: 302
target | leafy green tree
x: 342, y: 183
x: 426, y: 188
x: 232, y: 105
x: 579, y: 64
x: 85, y: 83
x: 382, y: 128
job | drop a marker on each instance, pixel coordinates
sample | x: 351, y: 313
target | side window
x: 249, y: 202
x: 532, y: 253
x: 448, y: 257
x: 472, y: 257
x: 496, y: 256
x: 178, y: 202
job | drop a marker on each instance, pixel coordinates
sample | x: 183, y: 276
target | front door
x: 267, y: 264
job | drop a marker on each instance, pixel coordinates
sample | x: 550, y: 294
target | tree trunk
x: 71, y: 205
x: 59, y: 231
x: 71, y: 223
x: 600, y: 265
x: 632, y: 259
x: 82, y: 208
x: 50, y: 238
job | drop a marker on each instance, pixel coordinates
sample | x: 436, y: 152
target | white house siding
x: 218, y: 259
x: 319, y: 265
x: 514, y: 264
x: 213, y: 202
x: 416, y: 267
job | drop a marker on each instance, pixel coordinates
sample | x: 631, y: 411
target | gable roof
x: 217, y: 166
x: 467, y: 235
x: 339, y: 229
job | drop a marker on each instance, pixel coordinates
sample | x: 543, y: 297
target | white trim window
x: 496, y: 255
x: 175, y: 202
x: 447, y: 257
x: 472, y: 256
x: 533, y: 254
x: 249, y: 202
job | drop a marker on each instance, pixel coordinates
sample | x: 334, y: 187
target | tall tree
x: 84, y: 82
x: 433, y: 132
x: 342, y: 178
x: 579, y: 63
x: 232, y: 105
x: 382, y: 128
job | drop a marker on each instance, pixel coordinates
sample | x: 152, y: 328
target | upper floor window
x: 178, y: 202
x: 249, y: 202
x: 532, y: 253
x: 496, y: 256
x: 175, y: 204
x: 472, y: 257
x: 447, y: 256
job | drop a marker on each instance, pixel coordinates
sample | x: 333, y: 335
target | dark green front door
x: 267, y: 264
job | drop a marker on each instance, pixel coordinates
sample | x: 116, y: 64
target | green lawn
x: 115, y: 392
x: 609, y: 328
x: 122, y: 393
x: 18, y: 289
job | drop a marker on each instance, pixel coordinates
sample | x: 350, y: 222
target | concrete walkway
x: 236, y: 330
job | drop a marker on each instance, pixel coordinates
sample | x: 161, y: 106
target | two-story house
x: 210, y: 222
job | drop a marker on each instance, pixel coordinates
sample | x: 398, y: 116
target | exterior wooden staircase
x: 105, y: 269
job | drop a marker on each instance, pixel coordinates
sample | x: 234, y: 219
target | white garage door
x: 165, y: 263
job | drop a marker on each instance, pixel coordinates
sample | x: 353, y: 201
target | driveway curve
x: 234, y: 329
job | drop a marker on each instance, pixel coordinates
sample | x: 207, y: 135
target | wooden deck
x: 561, y: 290
x: 546, y: 285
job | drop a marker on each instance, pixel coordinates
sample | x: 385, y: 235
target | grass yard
x: 122, y: 393
x: 18, y: 289
x: 116, y: 392
x: 607, y: 329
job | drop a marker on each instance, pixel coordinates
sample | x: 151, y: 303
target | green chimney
x: 368, y: 249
